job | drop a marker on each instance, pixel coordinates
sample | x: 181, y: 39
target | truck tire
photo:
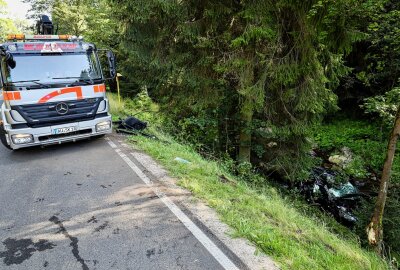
x: 3, y: 138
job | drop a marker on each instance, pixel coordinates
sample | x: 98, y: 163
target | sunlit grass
x: 278, y: 226
x: 264, y: 217
x: 116, y: 107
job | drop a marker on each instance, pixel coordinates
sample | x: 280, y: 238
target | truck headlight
x: 106, y: 125
x: 22, y: 138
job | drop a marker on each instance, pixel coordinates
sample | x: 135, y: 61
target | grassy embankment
x: 367, y: 142
x: 283, y: 228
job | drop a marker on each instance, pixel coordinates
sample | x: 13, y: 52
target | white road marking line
x: 113, y: 145
x: 225, y: 262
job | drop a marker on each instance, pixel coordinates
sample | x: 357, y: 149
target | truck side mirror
x: 10, y: 60
x: 111, y: 63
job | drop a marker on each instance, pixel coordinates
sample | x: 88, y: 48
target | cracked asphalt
x: 80, y: 206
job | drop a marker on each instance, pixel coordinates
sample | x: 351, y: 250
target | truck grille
x: 40, y: 115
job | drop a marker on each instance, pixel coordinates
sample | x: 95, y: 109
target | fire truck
x: 53, y: 89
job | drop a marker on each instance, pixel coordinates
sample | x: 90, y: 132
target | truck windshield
x: 53, y: 68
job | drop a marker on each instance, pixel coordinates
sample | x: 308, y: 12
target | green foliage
x: 89, y: 18
x: 70, y: 17
x: 199, y: 130
x: 376, y: 58
x: 292, y: 162
x: 384, y: 106
x: 247, y: 173
x: 224, y: 66
x: 141, y: 106
x: 365, y: 139
x: 39, y: 7
x: 282, y: 228
x: 7, y: 25
x: 357, y: 168
x: 342, y: 132
x: 383, y: 57
x: 23, y: 26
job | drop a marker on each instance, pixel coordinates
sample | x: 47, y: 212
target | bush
x: 201, y: 131
x: 141, y: 107
x: 384, y: 107
x: 366, y: 140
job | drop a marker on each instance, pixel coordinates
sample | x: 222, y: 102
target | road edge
x: 200, y: 212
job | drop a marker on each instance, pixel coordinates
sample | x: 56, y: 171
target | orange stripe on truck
x: 99, y: 88
x: 8, y: 96
x: 11, y: 95
x: 17, y: 95
x: 76, y: 90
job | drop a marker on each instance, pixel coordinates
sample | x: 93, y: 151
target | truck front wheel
x: 3, y: 138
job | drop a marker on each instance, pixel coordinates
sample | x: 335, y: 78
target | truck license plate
x: 63, y: 130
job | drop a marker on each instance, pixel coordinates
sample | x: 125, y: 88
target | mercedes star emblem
x: 62, y: 108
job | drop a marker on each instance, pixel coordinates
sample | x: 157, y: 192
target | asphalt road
x: 80, y: 206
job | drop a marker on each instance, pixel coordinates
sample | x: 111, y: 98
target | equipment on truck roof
x: 44, y: 26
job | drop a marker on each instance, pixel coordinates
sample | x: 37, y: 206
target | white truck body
x: 55, y: 93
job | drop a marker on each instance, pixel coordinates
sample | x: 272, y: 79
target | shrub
x: 384, y: 107
x: 366, y: 140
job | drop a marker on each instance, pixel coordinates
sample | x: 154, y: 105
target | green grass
x: 141, y: 107
x: 116, y: 108
x: 279, y: 226
x: 365, y: 139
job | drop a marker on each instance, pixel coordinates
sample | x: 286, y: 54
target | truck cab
x: 52, y: 91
